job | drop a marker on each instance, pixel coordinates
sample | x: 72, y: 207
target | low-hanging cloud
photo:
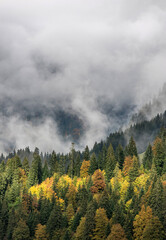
x: 77, y: 56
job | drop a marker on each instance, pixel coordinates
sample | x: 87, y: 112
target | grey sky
x: 74, y: 54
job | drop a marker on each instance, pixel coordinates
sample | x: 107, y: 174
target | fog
x: 99, y: 60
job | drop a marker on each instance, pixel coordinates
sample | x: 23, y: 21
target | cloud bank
x: 77, y: 56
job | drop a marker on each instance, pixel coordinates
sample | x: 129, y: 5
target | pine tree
x: 90, y: 220
x: 79, y: 235
x: 134, y: 170
x: 120, y: 156
x: 132, y: 149
x: 45, y: 171
x: 77, y: 165
x: 40, y: 233
x: 25, y: 165
x: 3, y: 218
x: 147, y: 160
x: 110, y: 162
x: 129, y: 193
x: 156, y: 197
x: 53, y: 163
x: 21, y: 232
x: 72, y: 161
x: 61, y: 165
x: 153, y: 230
x: 55, y: 220
x: 35, y: 173
x: 93, y: 164
x: 140, y: 222
x: 86, y: 154
x: 101, y: 222
x: 159, y: 155
x: 117, y: 233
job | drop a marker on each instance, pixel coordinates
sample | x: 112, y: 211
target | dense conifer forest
x: 109, y: 193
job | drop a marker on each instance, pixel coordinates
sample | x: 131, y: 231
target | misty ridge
x: 79, y: 72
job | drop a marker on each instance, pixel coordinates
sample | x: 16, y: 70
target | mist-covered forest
x: 108, y: 192
x: 82, y: 120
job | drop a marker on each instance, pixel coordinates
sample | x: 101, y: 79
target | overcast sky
x: 73, y: 54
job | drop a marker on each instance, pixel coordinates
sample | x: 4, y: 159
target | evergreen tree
x: 72, y: 161
x: 90, y: 220
x: 25, y: 165
x: 134, y: 170
x: 153, y: 230
x: 77, y: 165
x: 35, y: 173
x: 120, y: 156
x: 147, y: 160
x: 110, y: 163
x: 159, y: 155
x: 117, y: 233
x: 45, y: 171
x: 53, y: 163
x: 129, y: 193
x: 101, y: 222
x: 55, y: 220
x: 156, y: 197
x: 61, y: 165
x: 86, y: 154
x: 3, y: 218
x: 93, y: 164
x: 132, y: 149
x: 21, y: 232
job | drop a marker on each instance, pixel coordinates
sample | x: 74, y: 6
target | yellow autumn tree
x: 84, y: 169
x: 79, y: 235
x: 69, y: 212
x: 71, y: 195
x: 101, y: 222
x: 117, y: 233
x: 140, y: 221
x: 40, y: 233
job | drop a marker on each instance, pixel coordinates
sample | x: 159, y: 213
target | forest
x: 114, y: 193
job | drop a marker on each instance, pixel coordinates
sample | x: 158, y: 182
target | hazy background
x: 100, y: 60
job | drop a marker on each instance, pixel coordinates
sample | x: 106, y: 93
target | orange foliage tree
x: 98, y: 182
x: 40, y: 233
x: 117, y: 233
x: 128, y: 163
x: 141, y: 220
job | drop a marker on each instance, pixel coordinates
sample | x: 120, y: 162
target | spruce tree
x: 86, y: 154
x: 35, y: 173
x: 110, y: 163
x: 134, y: 170
x: 53, y: 163
x: 132, y: 149
x: 93, y: 164
x: 45, y: 172
x: 25, y: 165
x: 147, y: 160
x: 72, y: 161
x: 120, y: 156
x: 55, y: 220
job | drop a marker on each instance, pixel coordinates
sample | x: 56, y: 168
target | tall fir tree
x: 110, y: 162
x: 132, y: 149
x: 35, y: 173
x: 86, y: 154
x: 93, y: 164
x: 147, y: 159
x: 120, y: 156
